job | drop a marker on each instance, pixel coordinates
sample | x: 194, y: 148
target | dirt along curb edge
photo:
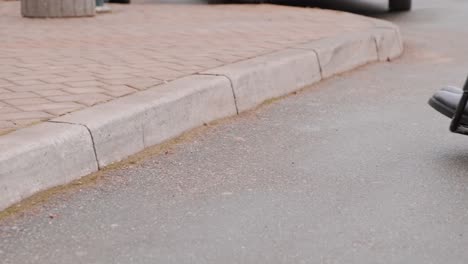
x: 67, y: 148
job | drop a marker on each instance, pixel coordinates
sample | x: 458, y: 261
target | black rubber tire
x: 399, y: 5
x: 120, y: 1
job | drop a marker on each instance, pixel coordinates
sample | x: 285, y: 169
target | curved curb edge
x: 64, y: 149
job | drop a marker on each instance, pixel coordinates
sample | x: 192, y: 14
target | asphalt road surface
x: 356, y: 169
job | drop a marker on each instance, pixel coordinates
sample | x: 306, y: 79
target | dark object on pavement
x: 120, y: 1
x: 399, y: 5
x: 452, y: 102
x: 394, y: 5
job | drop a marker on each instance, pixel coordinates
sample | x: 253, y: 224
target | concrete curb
x: 130, y: 124
x: 269, y: 76
x: 66, y: 148
x: 43, y: 156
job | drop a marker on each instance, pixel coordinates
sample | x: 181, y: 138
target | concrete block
x: 43, y: 156
x: 344, y: 52
x: 389, y: 43
x: 270, y: 76
x: 127, y: 125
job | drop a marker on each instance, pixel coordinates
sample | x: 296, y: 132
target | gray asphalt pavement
x: 356, y: 169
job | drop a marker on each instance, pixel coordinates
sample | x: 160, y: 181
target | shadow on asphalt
x: 457, y: 160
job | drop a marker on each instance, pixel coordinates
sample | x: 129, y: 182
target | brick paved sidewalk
x: 51, y: 67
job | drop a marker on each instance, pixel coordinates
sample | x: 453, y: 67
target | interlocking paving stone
x: 76, y: 63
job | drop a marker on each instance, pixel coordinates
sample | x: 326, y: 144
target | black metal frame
x: 456, y: 126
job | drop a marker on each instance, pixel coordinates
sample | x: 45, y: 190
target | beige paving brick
x: 26, y: 122
x: 25, y: 115
x: 63, y: 111
x: 4, y: 82
x: 137, y: 83
x: 86, y: 99
x: 26, y: 101
x: 118, y: 90
x: 48, y: 106
x: 7, y: 109
x: 5, y: 85
x: 5, y: 75
x: 143, y: 83
x: 27, y: 82
x: 85, y: 90
x: 83, y: 83
x: 37, y: 87
x: 69, y: 79
x: 51, y: 92
x: 161, y: 74
x: 119, y: 81
x: 8, y: 69
x: 14, y: 95
x: 33, y: 76
x: 112, y: 76
x: 122, y: 70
